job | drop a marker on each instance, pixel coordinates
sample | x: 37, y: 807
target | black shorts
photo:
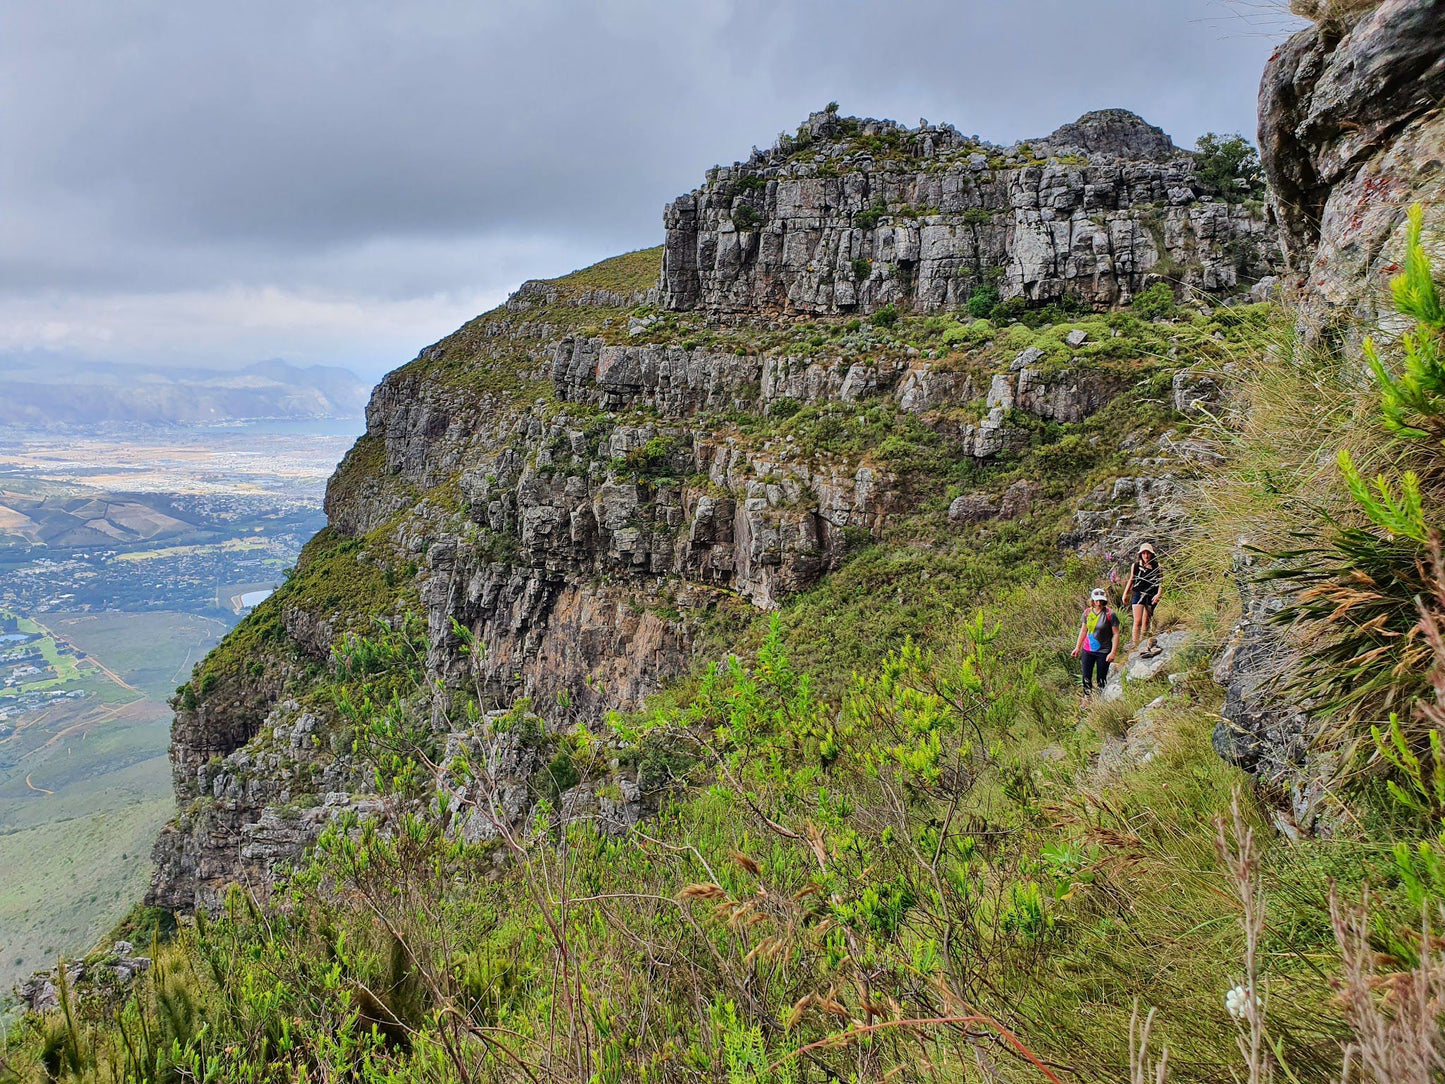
x: 1143, y: 598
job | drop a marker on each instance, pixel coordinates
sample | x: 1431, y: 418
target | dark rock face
x: 869, y: 213
x: 1262, y: 729
x: 1351, y: 133
x: 1113, y: 133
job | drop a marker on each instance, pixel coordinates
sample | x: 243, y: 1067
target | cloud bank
x: 343, y: 181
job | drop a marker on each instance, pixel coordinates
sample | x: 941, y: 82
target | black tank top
x: 1147, y: 577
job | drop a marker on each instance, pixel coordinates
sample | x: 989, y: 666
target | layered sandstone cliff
x: 851, y: 215
x: 572, y: 490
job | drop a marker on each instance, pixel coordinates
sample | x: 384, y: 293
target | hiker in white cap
x: 1142, y: 589
x: 1098, y: 639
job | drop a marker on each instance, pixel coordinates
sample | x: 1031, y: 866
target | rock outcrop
x: 564, y: 494
x: 856, y: 214
x: 1351, y: 132
x: 102, y: 973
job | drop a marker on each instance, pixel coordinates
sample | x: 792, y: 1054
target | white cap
x: 1099, y: 595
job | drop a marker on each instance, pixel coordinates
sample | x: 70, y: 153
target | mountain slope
x: 595, y: 486
x: 681, y: 689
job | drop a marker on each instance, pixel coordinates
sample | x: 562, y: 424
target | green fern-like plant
x: 1412, y: 404
x: 1355, y: 592
x: 1400, y: 513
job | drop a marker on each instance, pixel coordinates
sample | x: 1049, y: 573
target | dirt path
x: 38, y: 790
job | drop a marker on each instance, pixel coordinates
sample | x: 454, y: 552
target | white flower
x: 1236, y: 1002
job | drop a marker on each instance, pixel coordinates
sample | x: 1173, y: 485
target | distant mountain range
x: 46, y: 391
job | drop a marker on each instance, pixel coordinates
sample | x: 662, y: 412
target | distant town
x: 262, y: 536
x: 36, y: 670
x: 124, y: 557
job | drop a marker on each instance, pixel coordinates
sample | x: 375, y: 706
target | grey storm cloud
x: 395, y: 164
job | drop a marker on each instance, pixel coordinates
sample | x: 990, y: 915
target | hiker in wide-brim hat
x: 1142, y: 590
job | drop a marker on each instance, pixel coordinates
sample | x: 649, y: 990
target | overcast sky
x: 345, y: 181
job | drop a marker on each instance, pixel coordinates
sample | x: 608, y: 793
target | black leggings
x: 1096, y: 668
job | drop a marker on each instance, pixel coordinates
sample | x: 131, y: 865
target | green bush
x: 1228, y: 166
x: 784, y: 408
x: 887, y: 316
x: 653, y: 459
x: 1155, y: 302
x: 983, y: 301
x: 867, y: 220
x: 746, y: 216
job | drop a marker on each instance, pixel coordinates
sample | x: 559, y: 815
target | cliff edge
x: 569, y: 498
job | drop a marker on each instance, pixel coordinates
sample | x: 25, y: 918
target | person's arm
x: 1117, y: 631
x: 1158, y: 591
x: 1079, y: 644
x: 1128, y: 584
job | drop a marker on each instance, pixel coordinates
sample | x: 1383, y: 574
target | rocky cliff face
x: 574, y: 493
x: 1351, y: 132
x: 851, y: 215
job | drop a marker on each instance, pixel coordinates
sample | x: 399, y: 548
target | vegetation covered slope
x: 891, y: 840
x: 686, y: 698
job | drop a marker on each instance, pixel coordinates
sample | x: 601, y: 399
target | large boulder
x: 1351, y: 132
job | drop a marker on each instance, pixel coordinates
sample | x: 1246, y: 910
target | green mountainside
x: 682, y: 688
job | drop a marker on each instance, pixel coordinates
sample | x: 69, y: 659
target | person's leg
x: 1093, y: 661
x: 1140, y: 625
x: 1086, y: 670
x: 1101, y: 671
x: 1148, y: 619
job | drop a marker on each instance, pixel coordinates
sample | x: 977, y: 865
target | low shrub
x: 1155, y: 302
x: 887, y: 316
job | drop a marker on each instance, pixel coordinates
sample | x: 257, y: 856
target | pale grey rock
x: 1026, y: 358
x: 923, y: 389
x: 1092, y: 229
x: 1137, y: 746
x: 1197, y: 394
x: 972, y: 508
x: 1139, y: 668
x: 1017, y: 500
x: 1351, y: 132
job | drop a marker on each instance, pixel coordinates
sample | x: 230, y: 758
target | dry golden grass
x: 1292, y: 410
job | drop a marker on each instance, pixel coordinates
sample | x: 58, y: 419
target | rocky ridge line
x: 852, y: 215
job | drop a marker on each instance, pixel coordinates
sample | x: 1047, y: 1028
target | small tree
x: 1228, y: 166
